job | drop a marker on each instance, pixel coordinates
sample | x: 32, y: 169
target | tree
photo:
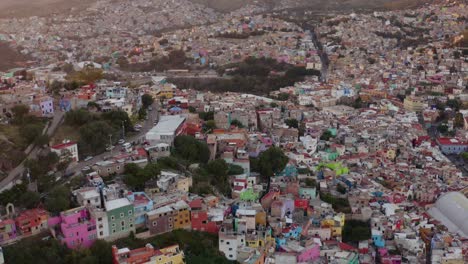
x: 147, y: 100
x: 30, y: 132
x: 217, y: 167
x: 341, y: 189
x: 136, y: 177
x: 235, y: 169
x: 326, y: 135
x: 459, y: 120
x: 58, y: 200
x: 272, y: 161
x: 190, y: 149
x: 237, y: 123
x: 19, y: 112
x: 41, y: 140
x: 210, y: 125
x: 442, y: 128
x: 123, y: 62
x: 142, y: 113
x: 206, y: 115
x: 358, y: 103
x: 29, y: 199
x: 66, y: 159
x: 292, y: 123
x: 454, y: 104
x: 283, y: 96
x: 94, y: 136
x: 355, y: 231
x: 192, y: 109
x: 464, y: 155
x: 77, y: 117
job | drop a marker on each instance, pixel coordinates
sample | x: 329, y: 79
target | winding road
x: 17, y: 172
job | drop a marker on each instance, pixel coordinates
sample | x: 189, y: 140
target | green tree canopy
x: 94, y: 136
x: 292, y: 123
x: 136, y: 177
x: 272, y: 161
x: 191, y: 149
x: 459, y: 120
x: 235, y: 169
x: 237, y: 123
x: 20, y: 111
x: 58, y: 200
x: 29, y: 132
x: 147, y: 100
x: 77, y: 117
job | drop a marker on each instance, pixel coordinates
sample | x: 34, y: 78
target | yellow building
x: 260, y: 218
x: 165, y: 92
x: 391, y: 154
x: 184, y: 184
x: 148, y: 255
x: 182, y: 215
x: 171, y: 255
x: 415, y: 104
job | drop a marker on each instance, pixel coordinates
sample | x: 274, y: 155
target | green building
x: 120, y: 217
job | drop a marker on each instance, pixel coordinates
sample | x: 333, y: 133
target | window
x: 113, y: 224
x: 122, y: 223
x: 230, y: 249
x: 130, y: 212
x: 112, y: 218
x: 154, y: 223
x: 230, y: 255
x: 131, y: 225
x: 99, y: 219
x: 123, y: 228
x: 101, y: 233
x: 130, y: 219
x: 113, y: 230
x: 228, y: 243
x: 122, y: 215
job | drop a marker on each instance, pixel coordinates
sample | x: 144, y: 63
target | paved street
x: 146, y: 126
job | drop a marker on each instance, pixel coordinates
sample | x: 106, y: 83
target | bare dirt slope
x: 26, y: 8
x: 11, y: 58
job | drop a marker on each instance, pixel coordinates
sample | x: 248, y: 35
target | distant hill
x: 26, y: 8
x: 332, y: 5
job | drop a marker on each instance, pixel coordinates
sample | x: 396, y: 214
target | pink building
x: 310, y: 253
x: 77, y: 228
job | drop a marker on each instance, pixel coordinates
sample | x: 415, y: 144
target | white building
x: 229, y: 242
x: 166, y: 130
x: 66, y: 147
x: 309, y: 143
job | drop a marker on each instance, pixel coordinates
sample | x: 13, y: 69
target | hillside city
x: 166, y: 131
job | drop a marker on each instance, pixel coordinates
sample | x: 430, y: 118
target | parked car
x: 87, y: 168
x: 88, y: 158
x: 121, y: 141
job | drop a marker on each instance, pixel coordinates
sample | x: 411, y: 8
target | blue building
x: 377, y: 238
x: 142, y: 204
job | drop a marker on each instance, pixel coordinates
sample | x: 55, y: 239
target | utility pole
x: 123, y: 129
x: 110, y: 143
